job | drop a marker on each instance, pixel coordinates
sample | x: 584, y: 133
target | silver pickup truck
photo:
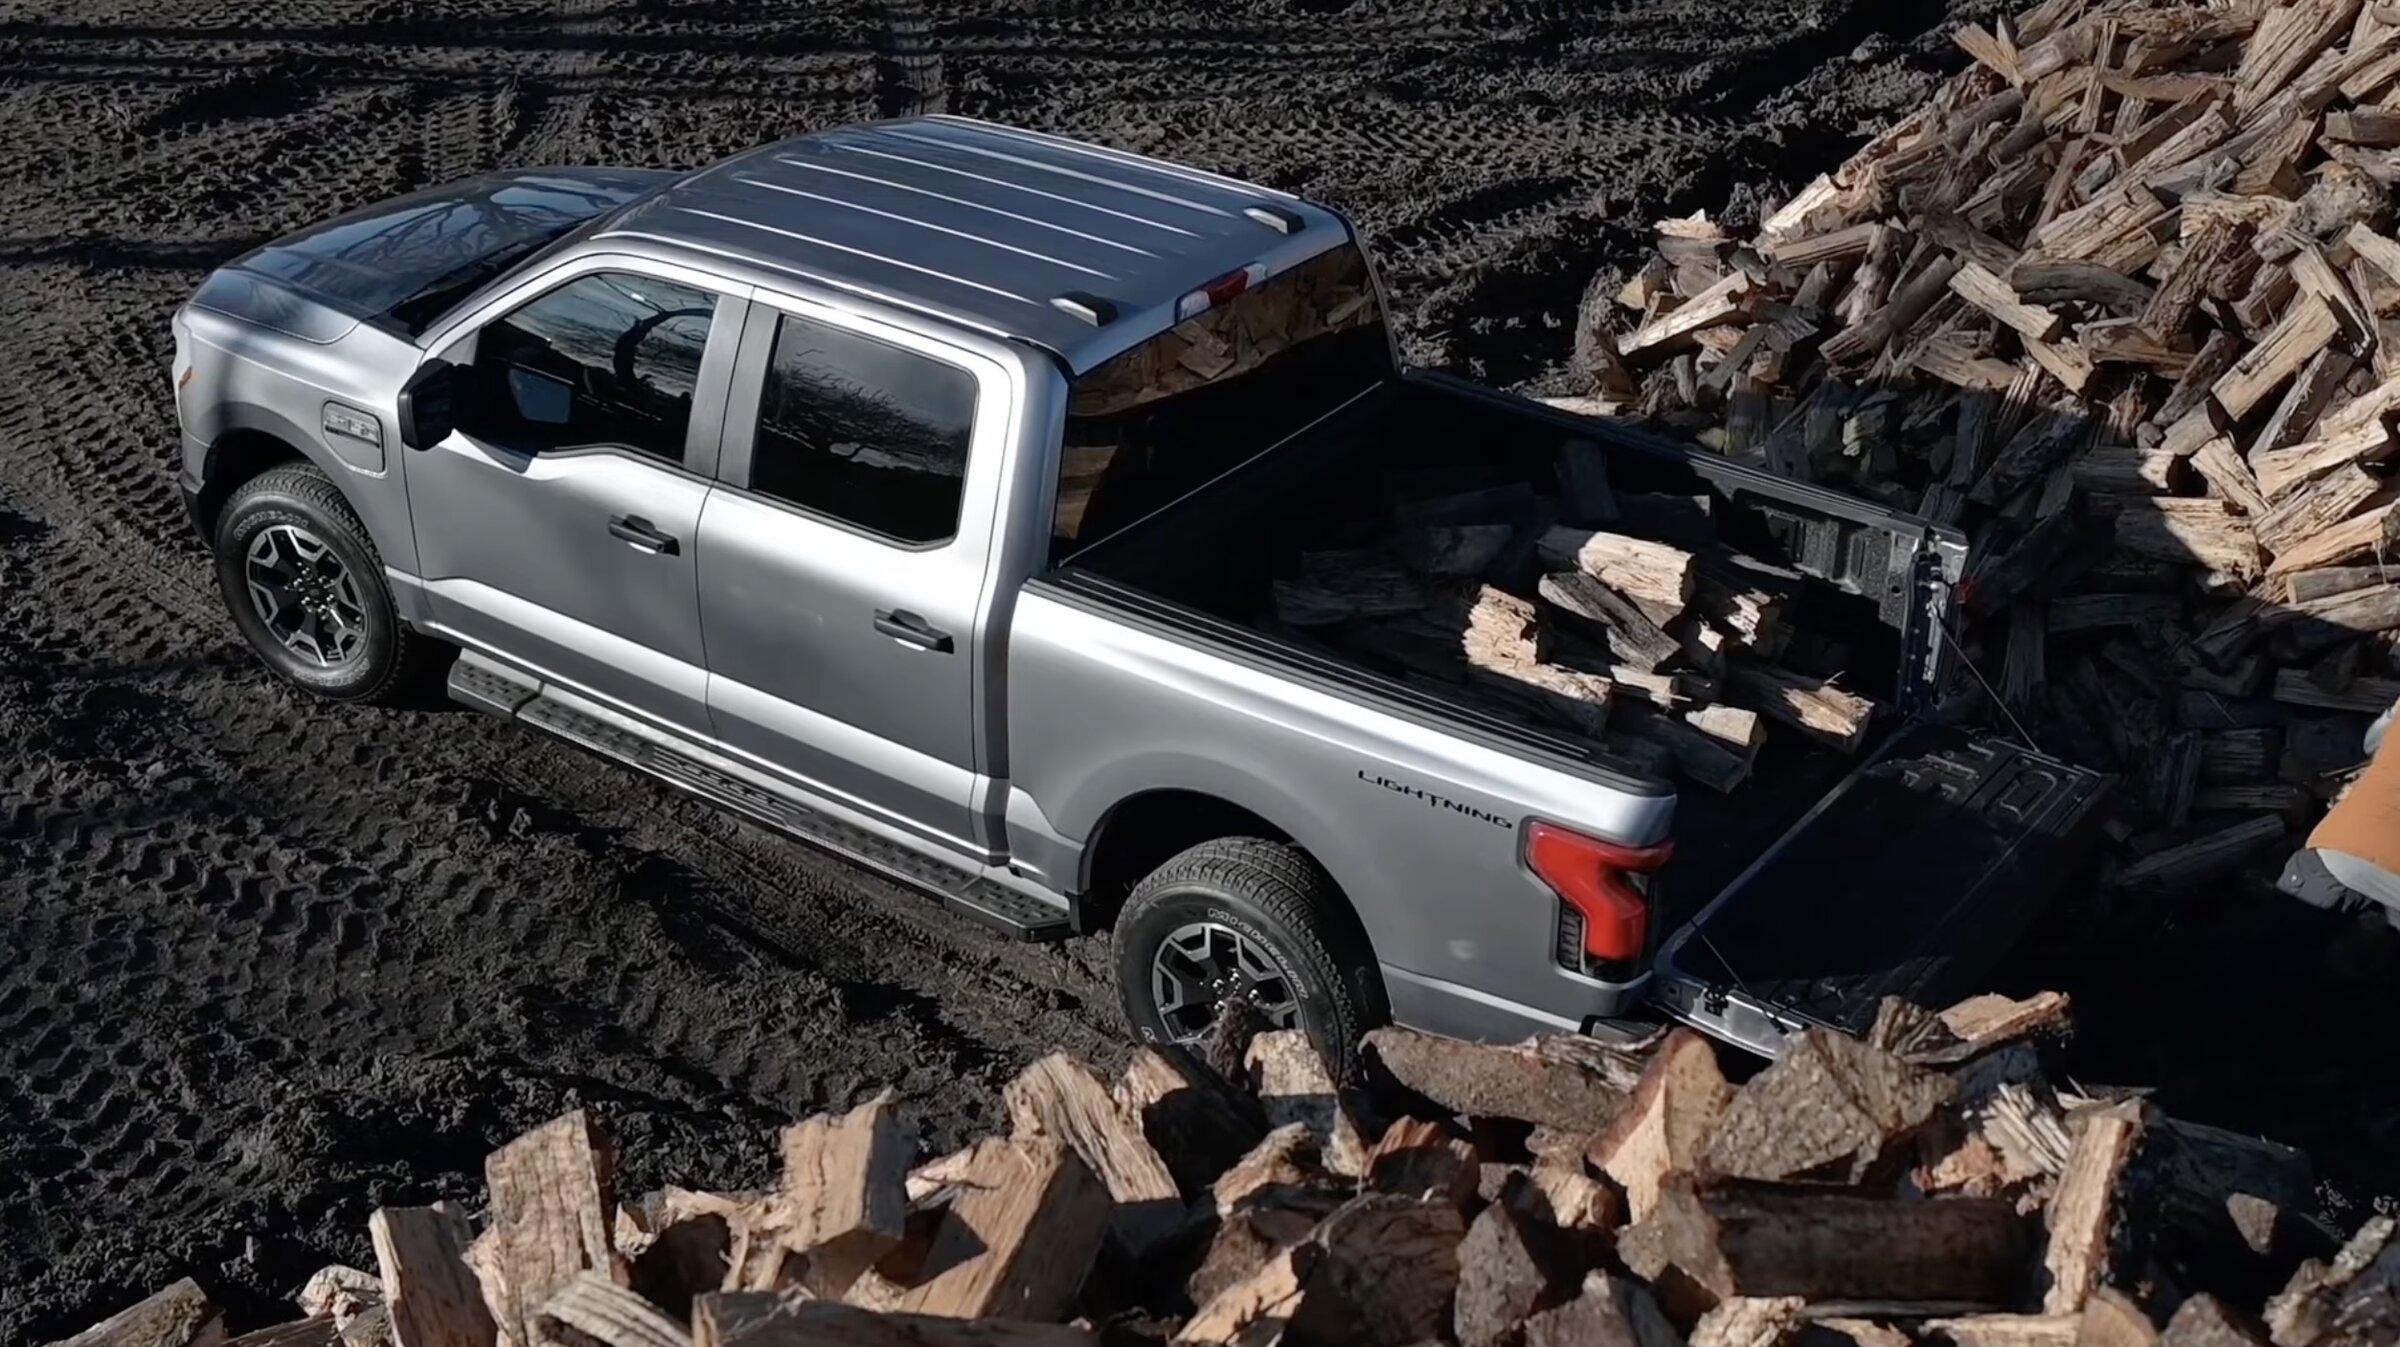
x: 916, y: 489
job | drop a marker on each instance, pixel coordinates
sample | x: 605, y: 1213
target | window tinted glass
x: 607, y: 359
x: 864, y: 431
x: 410, y: 259
x: 1159, y: 420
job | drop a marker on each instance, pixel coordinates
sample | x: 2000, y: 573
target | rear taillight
x: 1595, y: 880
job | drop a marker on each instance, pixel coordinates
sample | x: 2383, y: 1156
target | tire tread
x: 415, y: 658
x: 1288, y: 884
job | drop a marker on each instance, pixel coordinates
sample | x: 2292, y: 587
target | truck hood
x: 403, y: 263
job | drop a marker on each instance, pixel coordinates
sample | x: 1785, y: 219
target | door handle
x: 639, y: 532
x: 907, y: 626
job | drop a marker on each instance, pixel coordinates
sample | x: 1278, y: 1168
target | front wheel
x: 1244, y: 919
x: 306, y: 589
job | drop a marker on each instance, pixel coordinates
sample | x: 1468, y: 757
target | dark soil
x: 266, y: 964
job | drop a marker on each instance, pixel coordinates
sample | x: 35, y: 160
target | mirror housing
x: 430, y: 404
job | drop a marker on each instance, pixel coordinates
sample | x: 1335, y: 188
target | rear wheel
x: 306, y: 589
x: 1248, y: 920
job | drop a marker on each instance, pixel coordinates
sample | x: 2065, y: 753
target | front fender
x: 246, y: 382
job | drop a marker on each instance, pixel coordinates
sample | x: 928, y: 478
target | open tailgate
x: 1911, y: 879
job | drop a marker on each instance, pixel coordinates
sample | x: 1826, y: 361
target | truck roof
x: 1076, y: 248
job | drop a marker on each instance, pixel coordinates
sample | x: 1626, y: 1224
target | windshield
x: 406, y: 262
x: 1215, y: 389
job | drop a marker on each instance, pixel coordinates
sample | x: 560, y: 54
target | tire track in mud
x: 265, y: 963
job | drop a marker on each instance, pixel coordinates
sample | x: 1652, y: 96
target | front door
x: 559, y: 523
x: 843, y: 558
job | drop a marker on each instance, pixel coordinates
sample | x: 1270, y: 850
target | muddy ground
x: 265, y: 965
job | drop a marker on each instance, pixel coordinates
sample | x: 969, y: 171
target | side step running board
x: 488, y: 686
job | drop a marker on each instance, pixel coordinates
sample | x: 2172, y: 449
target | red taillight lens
x: 1590, y: 876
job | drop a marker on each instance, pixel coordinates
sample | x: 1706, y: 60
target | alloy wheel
x: 304, y: 596
x: 1205, y: 965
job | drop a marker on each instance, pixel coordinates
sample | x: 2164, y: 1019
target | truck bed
x: 1785, y: 937
x: 1219, y: 549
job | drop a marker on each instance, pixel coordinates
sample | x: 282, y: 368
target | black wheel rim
x: 1203, y: 966
x: 304, y: 596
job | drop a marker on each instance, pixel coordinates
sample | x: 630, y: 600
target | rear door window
x: 863, y: 431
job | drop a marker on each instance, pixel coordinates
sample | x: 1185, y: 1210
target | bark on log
x: 1829, y: 1107
x: 1756, y: 1240
x: 1578, y: 1090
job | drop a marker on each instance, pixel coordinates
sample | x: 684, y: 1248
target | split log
x: 2309, y: 511
x: 764, y: 1319
x: 593, y: 1308
x: 2372, y: 532
x: 1559, y: 1083
x: 1995, y: 297
x: 2208, y: 533
x: 1655, y: 575
x: 1420, y: 1160
x: 2347, y: 1302
x: 551, y: 1212
x: 1019, y: 1238
x: 315, y: 1331
x: 842, y: 1202
x: 1284, y: 1157
x: 1829, y: 1107
x: 1714, y: 762
x: 181, y: 1315
x: 2111, y: 1319
x: 1719, y: 303
x: 1195, y: 1124
x: 2364, y: 696
x: 1813, y: 706
x: 1264, y: 1307
x: 1607, y: 616
x: 2006, y: 1330
x: 1750, y: 1321
x: 1665, y: 1125
x: 1987, y: 1021
x: 2085, y: 1207
x: 2202, y: 1320
x: 1295, y: 1085
x: 1509, y: 1268
x: 428, y: 1289
x: 1611, y: 1310
x: 2305, y: 329
x: 1060, y: 1097
x: 1761, y: 1240
x: 2222, y: 850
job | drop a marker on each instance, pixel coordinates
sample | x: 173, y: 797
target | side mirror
x: 430, y: 404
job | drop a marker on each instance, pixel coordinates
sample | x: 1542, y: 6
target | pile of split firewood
x: 2123, y: 301
x: 1926, y: 1184
x: 1620, y: 616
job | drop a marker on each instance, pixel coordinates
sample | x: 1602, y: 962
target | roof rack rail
x: 1089, y: 308
x: 1277, y: 218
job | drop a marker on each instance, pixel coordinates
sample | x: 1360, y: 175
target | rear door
x: 558, y: 525
x: 845, y: 556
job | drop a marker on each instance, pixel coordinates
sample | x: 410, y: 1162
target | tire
x: 1278, y: 905
x: 385, y: 661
